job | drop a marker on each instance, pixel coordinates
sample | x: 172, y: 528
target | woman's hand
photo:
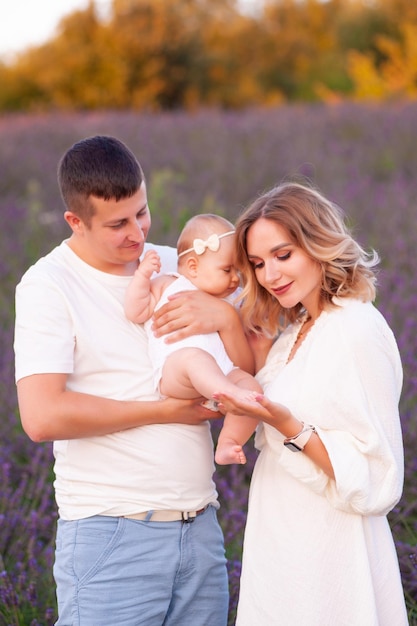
x: 261, y: 408
x: 279, y: 417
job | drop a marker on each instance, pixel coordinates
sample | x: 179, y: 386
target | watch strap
x: 298, y: 442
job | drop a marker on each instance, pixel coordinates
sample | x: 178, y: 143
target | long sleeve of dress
x: 346, y: 380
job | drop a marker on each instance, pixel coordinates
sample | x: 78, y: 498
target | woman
x: 318, y: 550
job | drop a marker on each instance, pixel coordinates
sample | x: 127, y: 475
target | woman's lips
x: 279, y: 291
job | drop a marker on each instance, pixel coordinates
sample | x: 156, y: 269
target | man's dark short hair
x: 99, y: 166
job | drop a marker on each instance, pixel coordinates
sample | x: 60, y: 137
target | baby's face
x: 216, y: 273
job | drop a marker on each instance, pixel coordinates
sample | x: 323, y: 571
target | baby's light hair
x: 202, y: 227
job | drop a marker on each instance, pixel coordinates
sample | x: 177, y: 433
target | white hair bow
x: 211, y: 243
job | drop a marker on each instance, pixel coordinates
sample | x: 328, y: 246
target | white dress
x: 319, y: 552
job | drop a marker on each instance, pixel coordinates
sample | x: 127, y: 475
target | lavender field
x: 362, y: 157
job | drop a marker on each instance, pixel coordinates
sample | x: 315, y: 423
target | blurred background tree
x: 186, y: 54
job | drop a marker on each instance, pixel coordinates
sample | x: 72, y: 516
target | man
x: 138, y: 542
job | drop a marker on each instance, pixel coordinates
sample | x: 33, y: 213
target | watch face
x: 291, y: 445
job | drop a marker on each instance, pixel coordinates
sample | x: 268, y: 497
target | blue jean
x: 114, y: 571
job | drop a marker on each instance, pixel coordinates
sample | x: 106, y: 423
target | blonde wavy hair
x: 317, y: 226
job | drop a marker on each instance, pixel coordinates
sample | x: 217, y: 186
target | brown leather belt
x: 166, y: 516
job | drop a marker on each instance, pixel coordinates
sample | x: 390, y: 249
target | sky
x: 31, y: 22
x: 24, y: 23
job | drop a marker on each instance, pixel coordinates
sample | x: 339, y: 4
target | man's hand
x: 192, y: 313
x: 191, y: 412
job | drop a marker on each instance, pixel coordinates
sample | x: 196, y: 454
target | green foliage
x: 168, y: 221
x: 161, y: 189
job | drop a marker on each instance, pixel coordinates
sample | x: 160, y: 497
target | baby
x: 199, y: 365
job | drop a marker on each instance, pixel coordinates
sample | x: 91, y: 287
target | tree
x: 393, y: 77
x: 171, y: 54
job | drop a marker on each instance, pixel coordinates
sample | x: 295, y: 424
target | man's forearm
x: 49, y: 412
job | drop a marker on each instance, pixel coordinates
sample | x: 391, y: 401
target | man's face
x: 114, y: 240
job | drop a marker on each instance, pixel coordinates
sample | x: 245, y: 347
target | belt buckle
x: 187, y: 519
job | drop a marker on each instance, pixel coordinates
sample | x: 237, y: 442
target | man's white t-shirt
x: 70, y: 319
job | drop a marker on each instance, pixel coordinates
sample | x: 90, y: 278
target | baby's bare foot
x: 245, y: 395
x: 226, y: 455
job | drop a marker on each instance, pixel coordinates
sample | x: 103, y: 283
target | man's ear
x: 73, y: 221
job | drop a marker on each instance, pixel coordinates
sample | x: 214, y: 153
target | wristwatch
x: 298, y: 442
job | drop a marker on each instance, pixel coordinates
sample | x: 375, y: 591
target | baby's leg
x: 192, y: 372
x: 237, y: 429
x: 175, y: 379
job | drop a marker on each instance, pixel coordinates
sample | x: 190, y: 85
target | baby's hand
x: 150, y: 263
